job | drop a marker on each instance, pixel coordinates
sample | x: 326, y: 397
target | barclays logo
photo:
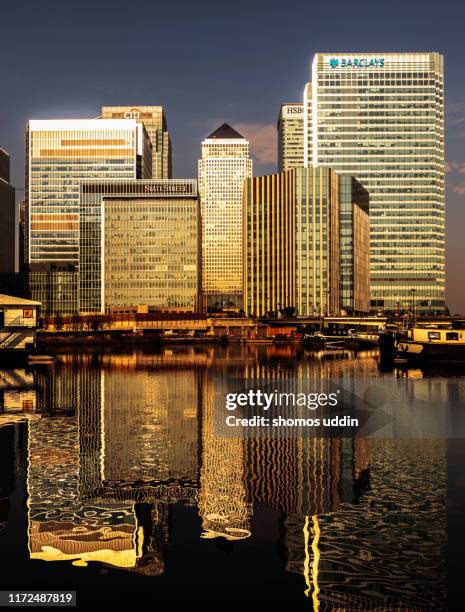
x: 363, y: 62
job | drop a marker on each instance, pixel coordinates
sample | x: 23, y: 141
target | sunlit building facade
x: 290, y: 136
x: 269, y: 241
x: 380, y: 118
x: 306, y: 243
x: 154, y: 120
x: 224, y: 166
x: 308, y: 124
x: 59, y: 155
x: 140, y: 245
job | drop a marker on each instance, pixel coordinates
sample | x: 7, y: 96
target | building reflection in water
x: 118, y: 439
x: 101, y: 477
x: 223, y: 504
x: 17, y: 394
x: 388, y: 551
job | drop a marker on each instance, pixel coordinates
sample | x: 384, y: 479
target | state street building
x: 379, y: 117
x: 139, y: 245
x: 306, y: 244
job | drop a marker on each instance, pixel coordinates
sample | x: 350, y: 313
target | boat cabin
x: 437, y: 334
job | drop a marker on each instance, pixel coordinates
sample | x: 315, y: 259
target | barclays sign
x: 362, y: 62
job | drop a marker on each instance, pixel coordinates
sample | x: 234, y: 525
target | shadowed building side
x: 8, y: 263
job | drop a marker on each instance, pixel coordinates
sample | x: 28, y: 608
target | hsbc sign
x: 291, y: 111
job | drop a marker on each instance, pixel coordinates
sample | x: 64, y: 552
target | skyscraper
x: 139, y: 245
x: 306, y: 243
x: 59, y: 155
x: 223, y: 168
x: 380, y: 118
x: 153, y: 118
x: 290, y: 136
x: 8, y: 225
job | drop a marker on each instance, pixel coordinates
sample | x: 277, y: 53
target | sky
x: 212, y: 61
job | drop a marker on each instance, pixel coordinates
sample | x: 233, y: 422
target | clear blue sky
x: 212, y: 61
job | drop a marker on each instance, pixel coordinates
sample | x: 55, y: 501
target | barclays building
x: 380, y: 118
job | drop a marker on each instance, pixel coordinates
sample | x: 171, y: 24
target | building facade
x: 140, y: 245
x: 380, y: 118
x: 306, y: 244
x: 55, y: 286
x: 223, y: 168
x: 8, y: 224
x: 269, y: 242
x: 59, y: 155
x: 154, y: 120
x: 354, y: 247
x: 290, y: 136
x: 308, y: 124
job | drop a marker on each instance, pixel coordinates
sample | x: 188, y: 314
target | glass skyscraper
x: 223, y: 168
x: 380, y: 118
x: 290, y: 136
x: 59, y: 155
x: 306, y: 243
x: 140, y: 245
x: 153, y: 118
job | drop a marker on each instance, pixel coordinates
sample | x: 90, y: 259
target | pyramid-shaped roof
x: 225, y: 131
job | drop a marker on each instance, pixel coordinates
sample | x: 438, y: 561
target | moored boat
x: 361, y: 340
x: 432, y: 344
x: 319, y: 341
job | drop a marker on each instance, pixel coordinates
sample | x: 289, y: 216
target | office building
x: 59, y: 155
x: 8, y: 225
x: 354, y: 246
x: 380, y: 118
x: 290, y: 137
x: 306, y: 244
x: 140, y: 245
x: 153, y: 118
x: 55, y: 286
x: 224, y: 166
x: 21, y: 235
x: 269, y: 242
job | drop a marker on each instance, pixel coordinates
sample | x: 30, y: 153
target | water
x: 113, y: 475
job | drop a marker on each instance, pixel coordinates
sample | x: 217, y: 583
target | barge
x: 433, y: 344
